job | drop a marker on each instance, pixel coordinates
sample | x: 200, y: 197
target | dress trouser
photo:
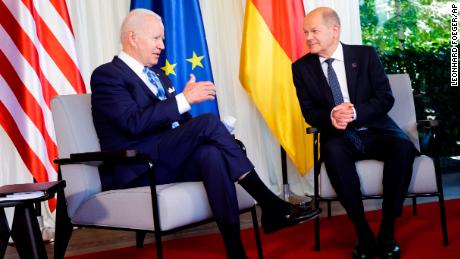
x: 202, y: 149
x: 393, y: 148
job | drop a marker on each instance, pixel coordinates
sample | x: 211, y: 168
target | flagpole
x: 287, y: 194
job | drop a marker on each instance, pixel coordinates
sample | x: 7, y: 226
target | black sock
x: 387, y: 226
x: 264, y: 196
x: 232, y: 241
x: 363, y: 230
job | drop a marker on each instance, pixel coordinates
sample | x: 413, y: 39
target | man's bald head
x: 329, y: 15
x: 134, y: 20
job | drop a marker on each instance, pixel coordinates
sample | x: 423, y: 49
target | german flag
x: 273, y: 39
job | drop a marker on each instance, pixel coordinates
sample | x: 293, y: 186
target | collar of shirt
x: 337, y: 55
x: 137, y: 67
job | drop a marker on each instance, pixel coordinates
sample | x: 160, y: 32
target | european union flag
x: 186, y: 50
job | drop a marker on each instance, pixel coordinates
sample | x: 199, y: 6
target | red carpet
x: 419, y: 236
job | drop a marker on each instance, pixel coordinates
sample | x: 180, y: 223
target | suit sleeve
x: 380, y: 99
x: 315, y: 114
x: 120, y: 101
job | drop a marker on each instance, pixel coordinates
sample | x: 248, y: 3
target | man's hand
x: 197, y: 92
x: 341, y: 115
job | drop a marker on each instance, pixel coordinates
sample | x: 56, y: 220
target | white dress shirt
x: 182, y: 104
x: 339, y: 68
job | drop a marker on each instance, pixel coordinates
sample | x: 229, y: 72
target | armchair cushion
x: 371, y: 172
x: 180, y: 203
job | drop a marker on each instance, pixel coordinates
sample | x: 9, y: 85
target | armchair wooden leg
x: 329, y: 211
x: 156, y: 214
x: 255, y: 224
x: 317, y: 241
x: 140, y: 237
x: 63, y: 227
x: 414, y: 205
x: 442, y: 212
x: 158, y: 244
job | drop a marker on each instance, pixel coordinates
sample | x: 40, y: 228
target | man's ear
x: 132, y: 38
x: 336, y: 30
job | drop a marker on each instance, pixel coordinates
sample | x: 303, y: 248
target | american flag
x: 37, y: 61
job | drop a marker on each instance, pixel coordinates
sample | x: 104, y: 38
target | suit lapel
x: 132, y: 75
x: 170, y: 91
x: 320, y: 78
x: 351, y: 70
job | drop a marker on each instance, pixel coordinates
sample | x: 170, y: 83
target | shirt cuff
x: 182, y: 105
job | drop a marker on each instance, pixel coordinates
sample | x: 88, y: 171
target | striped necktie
x: 350, y: 134
x: 154, y: 80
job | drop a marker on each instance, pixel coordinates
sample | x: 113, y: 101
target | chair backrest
x: 75, y: 133
x: 403, y: 111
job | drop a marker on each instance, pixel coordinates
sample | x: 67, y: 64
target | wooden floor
x: 89, y: 240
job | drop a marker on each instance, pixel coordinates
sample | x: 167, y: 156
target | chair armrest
x: 104, y: 156
x: 429, y: 141
x: 429, y: 124
x: 312, y: 130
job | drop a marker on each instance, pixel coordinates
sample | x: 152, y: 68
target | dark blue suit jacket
x: 127, y: 115
x: 368, y: 87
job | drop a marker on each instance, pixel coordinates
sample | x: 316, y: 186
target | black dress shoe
x: 387, y: 247
x: 274, y: 221
x: 365, y: 248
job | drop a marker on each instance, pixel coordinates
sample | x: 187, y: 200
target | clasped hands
x: 197, y: 92
x: 342, y: 114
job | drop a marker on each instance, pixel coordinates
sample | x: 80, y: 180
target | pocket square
x: 171, y: 90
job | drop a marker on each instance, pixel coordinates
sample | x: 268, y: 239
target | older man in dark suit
x: 343, y: 90
x: 135, y: 107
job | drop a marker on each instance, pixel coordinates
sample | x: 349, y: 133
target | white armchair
x: 426, y: 177
x: 163, y: 209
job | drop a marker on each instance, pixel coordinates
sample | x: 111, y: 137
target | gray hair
x: 134, y: 19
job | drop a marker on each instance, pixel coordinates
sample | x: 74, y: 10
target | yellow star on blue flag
x: 195, y: 60
x: 185, y: 43
x: 169, y: 68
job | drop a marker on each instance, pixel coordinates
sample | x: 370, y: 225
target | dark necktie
x: 154, y: 80
x: 350, y: 134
